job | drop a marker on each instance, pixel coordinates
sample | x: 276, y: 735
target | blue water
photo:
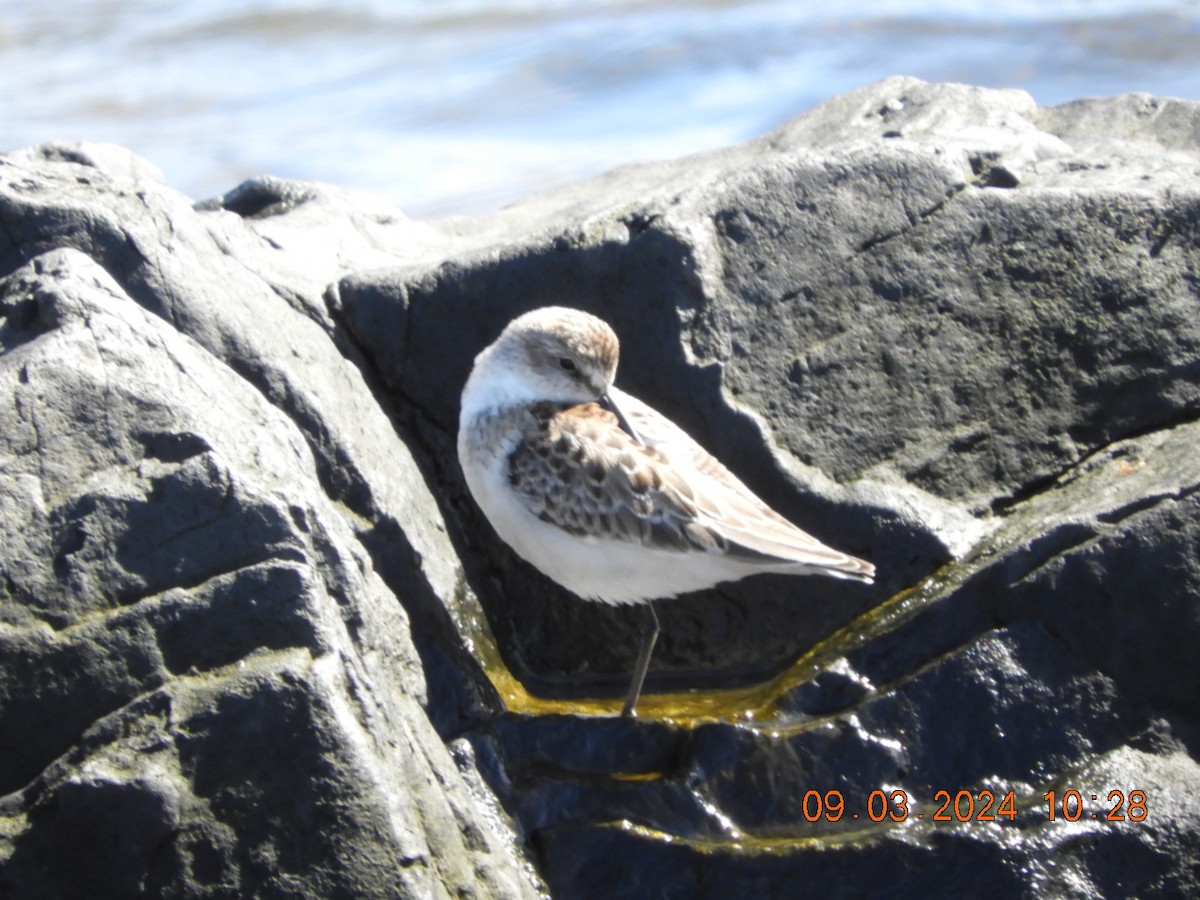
x: 461, y: 106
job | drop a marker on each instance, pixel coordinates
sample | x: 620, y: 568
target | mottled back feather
x: 575, y: 468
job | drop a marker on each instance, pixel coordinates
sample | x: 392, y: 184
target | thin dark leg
x: 649, y: 639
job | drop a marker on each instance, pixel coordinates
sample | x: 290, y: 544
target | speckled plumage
x: 599, y: 491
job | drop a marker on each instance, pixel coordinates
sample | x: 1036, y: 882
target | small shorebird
x: 601, y: 493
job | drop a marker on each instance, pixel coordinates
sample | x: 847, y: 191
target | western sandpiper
x: 602, y: 493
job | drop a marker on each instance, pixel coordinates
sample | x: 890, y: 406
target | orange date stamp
x: 976, y: 806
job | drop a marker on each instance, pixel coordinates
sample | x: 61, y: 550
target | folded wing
x: 577, y: 469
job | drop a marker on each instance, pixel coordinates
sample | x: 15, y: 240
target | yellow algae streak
x: 749, y: 704
x: 751, y: 845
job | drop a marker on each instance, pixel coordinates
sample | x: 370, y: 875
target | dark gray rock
x: 250, y: 618
x: 205, y: 686
x: 941, y: 328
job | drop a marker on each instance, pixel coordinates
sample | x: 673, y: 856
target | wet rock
x: 250, y: 617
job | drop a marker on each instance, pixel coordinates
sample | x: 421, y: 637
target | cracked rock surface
x: 255, y: 639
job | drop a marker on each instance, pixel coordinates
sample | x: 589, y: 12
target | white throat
x: 494, y: 386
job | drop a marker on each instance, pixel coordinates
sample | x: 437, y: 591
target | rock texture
x: 207, y: 685
x: 256, y: 640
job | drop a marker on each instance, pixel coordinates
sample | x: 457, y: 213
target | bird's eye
x: 568, y: 364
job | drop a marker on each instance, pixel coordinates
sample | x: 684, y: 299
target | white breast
x: 595, y: 568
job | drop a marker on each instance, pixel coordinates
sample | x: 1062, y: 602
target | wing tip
x: 852, y: 569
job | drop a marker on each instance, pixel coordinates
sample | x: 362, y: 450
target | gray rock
x: 207, y: 688
x: 256, y: 639
x: 944, y: 329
